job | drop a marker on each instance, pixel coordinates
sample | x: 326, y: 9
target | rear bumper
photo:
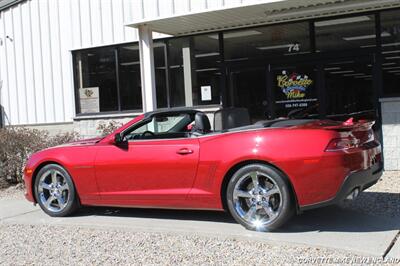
x: 359, y: 179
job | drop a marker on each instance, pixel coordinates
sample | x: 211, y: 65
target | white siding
x: 35, y: 60
x: 38, y: 73
x: 13, y: 100
x: 28, y: 63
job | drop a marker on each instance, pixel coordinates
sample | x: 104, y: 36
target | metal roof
x: 4, y: 4
x: 263, y: 12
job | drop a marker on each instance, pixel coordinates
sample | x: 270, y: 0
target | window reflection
x: 346, y: 33
x: 349, y: 87
x: 268, y: 41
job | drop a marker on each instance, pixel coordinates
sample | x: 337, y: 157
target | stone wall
x: 86, y: 128
x: 391, y: 132
x: 54, y: 128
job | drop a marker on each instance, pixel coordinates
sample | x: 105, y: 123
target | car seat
x: 201, y: 124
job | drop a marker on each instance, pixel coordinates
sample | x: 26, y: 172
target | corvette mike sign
x: 295, y: 90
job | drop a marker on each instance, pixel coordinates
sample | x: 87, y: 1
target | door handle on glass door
x: 184, y: 151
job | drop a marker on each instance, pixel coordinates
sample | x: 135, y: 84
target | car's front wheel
x: 258, y: 197
x: 55, y: 192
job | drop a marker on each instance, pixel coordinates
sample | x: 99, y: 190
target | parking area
x: 368, y: 227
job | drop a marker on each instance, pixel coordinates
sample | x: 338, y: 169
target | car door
x: 149, y: 172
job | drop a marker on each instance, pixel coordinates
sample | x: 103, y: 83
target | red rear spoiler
x: 350, y: 124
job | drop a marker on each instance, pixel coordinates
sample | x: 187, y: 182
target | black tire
x: 72, y: 202
x: 286, y: 209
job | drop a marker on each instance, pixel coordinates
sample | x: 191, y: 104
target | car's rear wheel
x: 258, y: 197
x: 55, y: 192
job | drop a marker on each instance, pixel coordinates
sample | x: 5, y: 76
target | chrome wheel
x: 257, y: 199
x: 53, y: 190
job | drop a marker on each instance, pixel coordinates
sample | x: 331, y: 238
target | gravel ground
x: 13, y: 192
x: 82, y: 246
x: 382, y: 199
x: 22, y: 245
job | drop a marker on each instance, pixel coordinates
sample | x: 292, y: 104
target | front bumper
x: 359, y: 179
x: 28, y: 185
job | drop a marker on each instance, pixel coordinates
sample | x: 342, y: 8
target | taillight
x: 342, y: 144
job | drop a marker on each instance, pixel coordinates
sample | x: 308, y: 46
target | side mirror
x: 118, y: 139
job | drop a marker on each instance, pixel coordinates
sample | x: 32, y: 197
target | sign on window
x: 89, y: 100
x: 294, y: 91
x: 206, y: 93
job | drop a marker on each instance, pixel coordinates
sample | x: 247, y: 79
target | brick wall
x: 391, y: 132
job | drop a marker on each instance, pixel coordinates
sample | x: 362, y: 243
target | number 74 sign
x: 294, y: 47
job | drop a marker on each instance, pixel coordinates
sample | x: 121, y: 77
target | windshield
x: 162, y: 124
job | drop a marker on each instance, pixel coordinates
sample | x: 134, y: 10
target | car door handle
x: 184, y: 151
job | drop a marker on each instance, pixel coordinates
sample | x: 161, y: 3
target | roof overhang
x: 8, y: 3
x: 261, y: 13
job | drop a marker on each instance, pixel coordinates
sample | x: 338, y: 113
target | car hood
x: 56, y: 153
x: 83, y: 142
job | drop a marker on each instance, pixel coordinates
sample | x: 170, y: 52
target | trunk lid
x: 359, y: 133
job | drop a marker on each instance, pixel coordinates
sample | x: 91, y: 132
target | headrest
x: 202, y: 123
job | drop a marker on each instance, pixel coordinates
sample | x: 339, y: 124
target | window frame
x: 78, y: 113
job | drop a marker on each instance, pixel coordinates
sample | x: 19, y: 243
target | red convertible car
x: 261, y: 173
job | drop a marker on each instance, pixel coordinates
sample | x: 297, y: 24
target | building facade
x: 69, y: 64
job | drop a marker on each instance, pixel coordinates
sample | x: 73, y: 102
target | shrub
x: 107, y: 128
x: 18, y: 143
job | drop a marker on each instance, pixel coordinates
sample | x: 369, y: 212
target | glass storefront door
x: 248, y: 88
x: 294, y: 87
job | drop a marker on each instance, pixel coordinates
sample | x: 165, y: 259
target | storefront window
x: 161, y: 74
x: 390, y: 22
x: 248, y: 89
x: 346, y: 33
x: 208, y: 74
x: 130, y: 78
x: 175, y: 61
x: 349, y: 87
x: 102, y: 87
x: 194, y: 70
x: 262, y: 70
x: 270, y: 41
x: 97, y: 82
